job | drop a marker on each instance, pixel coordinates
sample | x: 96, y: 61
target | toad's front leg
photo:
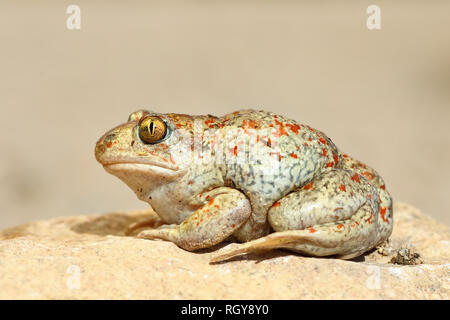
x: 224, y: 211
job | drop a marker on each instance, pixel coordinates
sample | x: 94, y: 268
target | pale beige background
x: 382, y: 96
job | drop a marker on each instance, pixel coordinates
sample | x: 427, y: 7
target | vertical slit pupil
x: 152, y: 128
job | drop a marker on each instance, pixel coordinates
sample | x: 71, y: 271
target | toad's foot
x: 225, y: 211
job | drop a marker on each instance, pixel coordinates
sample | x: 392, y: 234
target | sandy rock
x: 88, y: 257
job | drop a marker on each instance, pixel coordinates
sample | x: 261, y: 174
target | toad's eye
x: 152, y: 129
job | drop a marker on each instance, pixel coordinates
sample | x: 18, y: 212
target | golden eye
x: 152, y: 129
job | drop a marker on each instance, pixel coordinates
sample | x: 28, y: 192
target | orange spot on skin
x: 306, y: 145
x: 276, y: 204
x: 294, y: 127
x: 336, y: 158
x: 309, y: 186
x: 355, y: 178
x: 233, y: 225
x: 324, y: 152
x: 235, y: 150
x: 257, y: 138
x: 293, y: 155
x: 190, y: 182
x: 330, y: 164
x: 109, y: 144
x: 368, y: 175
x: 345, y: 156
x: 370, y: 218
x: 383, y: 214
x: 311, y: 230
x: 322, y: 140
x: 357, y: 223
x: 253, y: 124
x: 281, y: 129
x: 269, y: 142
x: 216, y: 206
x: 342, y: 188
x: 383, y: 187
x: 211, y: 202
x: 340, y: 226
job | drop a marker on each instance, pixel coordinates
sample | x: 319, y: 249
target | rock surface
x: 87, y: 257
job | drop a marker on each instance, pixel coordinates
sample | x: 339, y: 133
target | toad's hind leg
x: 335, y: 214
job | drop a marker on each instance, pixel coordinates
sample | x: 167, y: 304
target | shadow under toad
x: 117, y: 224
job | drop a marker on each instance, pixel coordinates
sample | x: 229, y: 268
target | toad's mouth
x: 141, y: 166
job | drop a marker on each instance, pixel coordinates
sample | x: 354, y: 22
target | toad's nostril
x: 110, y: 137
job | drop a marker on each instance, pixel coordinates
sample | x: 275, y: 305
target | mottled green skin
x: 245, y: 175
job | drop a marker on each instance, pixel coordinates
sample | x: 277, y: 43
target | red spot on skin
x: 345, y: 156
x: 383, y: 187
x: 355, y: 178
x: 324, y: 152
x: 309, y: 139
x: 370, y: 218
x: 294, y: 127
x: 322, y: 140
x: 276, y: 204
x: 269, y: 142
x: 369, y: 196
x: 383, y: 214
x: 309, y: 186
x: 311, y: 230
x: 362, y: 165
x: 190, y: 182
x: 211, y: 202
x: 293, y: 155
x: 342, y: 188
x: 271, y: 125
x: 379, y: 197
x: 178, y: 125
x: 253, y: 124
x: 351, y: 194
x: 235, y: 150
x: 306, y: 145
x: 357, y: 223
x: 330, y: 164
x: 109, y: 144
x: 211, y: 126
x: 340, y: 226
x: 197, y: 224
x: 298, y: 148
x: 257, y: 138
x: 336, y: 158
x: 216, y: 206
x: 281, y: 129
x: 368, y: 175
x: 233, y: 225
